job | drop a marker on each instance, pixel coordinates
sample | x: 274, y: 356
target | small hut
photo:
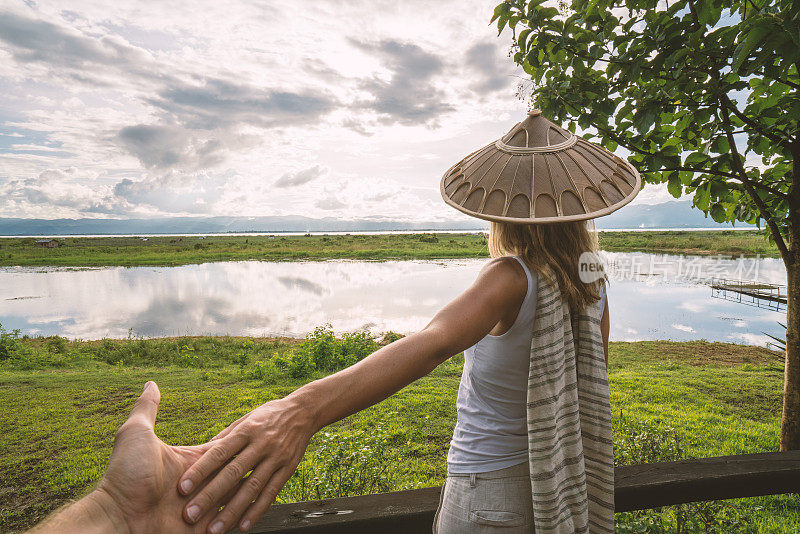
x: 48, y: 243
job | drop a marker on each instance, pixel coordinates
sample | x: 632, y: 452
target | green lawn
x: 62, y: 402
x: 129, y: 251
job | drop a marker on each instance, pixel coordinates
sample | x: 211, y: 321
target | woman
x: 505, y: 406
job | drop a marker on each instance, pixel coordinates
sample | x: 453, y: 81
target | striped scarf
x: 570, y: 451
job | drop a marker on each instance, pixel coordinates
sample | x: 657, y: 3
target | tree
x: 703, y: 94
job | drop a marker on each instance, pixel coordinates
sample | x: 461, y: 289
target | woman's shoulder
x: 507, y: 270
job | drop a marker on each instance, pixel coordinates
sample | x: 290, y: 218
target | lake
x: 651, y: 296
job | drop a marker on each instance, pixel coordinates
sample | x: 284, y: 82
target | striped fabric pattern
x: 570, y: 451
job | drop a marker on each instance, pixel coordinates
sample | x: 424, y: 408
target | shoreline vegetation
x: 75, y: 251
x: 63, y: 400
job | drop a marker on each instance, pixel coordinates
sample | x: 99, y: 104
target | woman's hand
x: 269, y: 441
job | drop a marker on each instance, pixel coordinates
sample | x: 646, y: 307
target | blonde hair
x: 553, y: 251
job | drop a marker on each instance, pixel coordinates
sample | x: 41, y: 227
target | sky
x: 349, y: 109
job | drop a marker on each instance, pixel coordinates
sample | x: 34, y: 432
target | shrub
x: 346, y: 464
x: 295, y: 364
x: 57, y: 344
x: 429, y: 239
x: 357, y: 346
x: 639, y: 442
x: 390, y: 337
x: 301, y: 365
x: 265, y: 371
x: 321, y: 345
x: 242, y: 357
x: 330, y: 354
x: 9, y: 343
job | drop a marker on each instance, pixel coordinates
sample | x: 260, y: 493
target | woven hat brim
x: 618, y: 174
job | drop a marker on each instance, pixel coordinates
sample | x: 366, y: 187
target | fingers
x: 218, y: 455
x: 264, y: 500
x: 251, y: 488
x: 146, y: 406
x: 227, y: 429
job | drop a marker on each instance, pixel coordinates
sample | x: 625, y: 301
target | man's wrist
x: 97, y: 512
x: 101, y: 504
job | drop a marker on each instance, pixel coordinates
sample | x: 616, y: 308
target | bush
x: 322, y: 347
x: 296, y: 365
x: 57, y: 344
x: 639, y: 442
x: 347, y: 464
x: 265, y: 371
x: 390, y: 337
x: 331, y: 354
x: 9, y: 343
x: 357, y: 346
x: 429, y: 239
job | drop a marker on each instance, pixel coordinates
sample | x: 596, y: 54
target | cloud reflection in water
x: 263, y: 298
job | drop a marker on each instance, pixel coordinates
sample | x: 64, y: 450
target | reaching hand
x: 137, y: 493
x: 270, y: 441
x: 143, y: 472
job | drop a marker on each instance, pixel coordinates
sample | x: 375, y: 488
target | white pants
x: 486, y: 503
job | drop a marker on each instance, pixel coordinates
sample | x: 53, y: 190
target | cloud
x: 492, y: 73
x: 174, y: 191
x: 217, y: 103
x: 161, y: 114
x: 380, y: 197
x: 410, y: 96
x: 53, y: 188
x: 330, y: 202
x: 293, y: 179
x: 165, y: 147
x: 69, y: 49
x: 357, y: 126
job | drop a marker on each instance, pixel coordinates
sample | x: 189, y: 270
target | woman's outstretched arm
x: 272, y: 439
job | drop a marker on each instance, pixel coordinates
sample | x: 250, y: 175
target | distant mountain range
x: 213, y: 225
x: 674, y: 214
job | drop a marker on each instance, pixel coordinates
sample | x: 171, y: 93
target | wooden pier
x: 759, y: 294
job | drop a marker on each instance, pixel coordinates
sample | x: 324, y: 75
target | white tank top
x: 491, y: 432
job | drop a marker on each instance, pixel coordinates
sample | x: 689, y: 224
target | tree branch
x: 611, y: 135
x: 727, y: 103
x: 749, y: 186
x: 758, y: 185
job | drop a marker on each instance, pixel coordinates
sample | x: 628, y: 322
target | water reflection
x: 655, y: 300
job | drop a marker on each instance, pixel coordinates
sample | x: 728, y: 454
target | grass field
x: 129, y: 251
x: 62, y: 402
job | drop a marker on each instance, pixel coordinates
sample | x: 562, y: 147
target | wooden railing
x: 636, y: 487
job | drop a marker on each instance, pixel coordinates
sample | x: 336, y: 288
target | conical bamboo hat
x: 540, y: 173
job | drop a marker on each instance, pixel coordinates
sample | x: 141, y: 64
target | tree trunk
x: 790, y: 421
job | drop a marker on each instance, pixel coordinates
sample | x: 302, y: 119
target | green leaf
x: 752, y: 39
x: 718, y: 213
x: 522, y: 39
x: 500, y: 10
x: 702, y: 197
x: 674, y: 185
